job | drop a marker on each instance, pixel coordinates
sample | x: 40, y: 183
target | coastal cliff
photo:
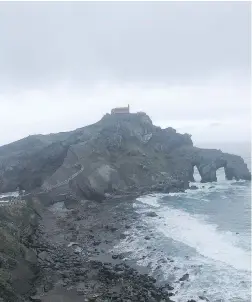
x: 119, y: 154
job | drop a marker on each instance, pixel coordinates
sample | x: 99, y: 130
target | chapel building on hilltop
x: 120, y: 110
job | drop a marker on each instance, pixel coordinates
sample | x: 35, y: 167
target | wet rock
x: 48, y: 286
x: 203, y: 298
x: 193, y: 188
x: 111, y: 228
x: 35, y: 298
x: 151, y: 214
x: 163, y: 261
x: 44, y: 256
x: 121, y: 256
x: 139, y: 227
x: 169, y: 287
x: 123, y: 236
x: 185, y: 277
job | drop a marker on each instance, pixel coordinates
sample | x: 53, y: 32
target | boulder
x: 151, y: 214
x: 185, y: 277
x: 193, y: 188
x: 203, y: 298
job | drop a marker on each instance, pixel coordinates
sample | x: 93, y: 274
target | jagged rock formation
x: 118, y: 154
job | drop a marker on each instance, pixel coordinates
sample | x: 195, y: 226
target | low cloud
x: 65, y: 64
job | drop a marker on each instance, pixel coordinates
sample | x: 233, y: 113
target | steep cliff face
x: 118, y: 154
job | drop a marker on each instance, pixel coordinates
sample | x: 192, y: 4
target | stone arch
x: 208, y: 170
x: 209, y: 161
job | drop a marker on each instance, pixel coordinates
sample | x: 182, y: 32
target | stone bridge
x: 208, y: 161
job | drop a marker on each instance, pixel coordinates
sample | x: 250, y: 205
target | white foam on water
x: 195, y: 232
x: 4, y: 201
x: 7, y: 196
x: 72, y: 243
x: 151, y: 199
x: 220, y: 269
x: 10, y: 194
x: 213, y: 280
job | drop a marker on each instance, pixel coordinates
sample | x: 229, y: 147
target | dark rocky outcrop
x: 120, y: 154
x: 151, y: 214
x: 185, y: 277
x: 18, y: 260
x: 193, y: 187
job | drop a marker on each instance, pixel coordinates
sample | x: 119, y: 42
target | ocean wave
x: 209, y: 278
x: 193, y: 231
x: 219, y: 267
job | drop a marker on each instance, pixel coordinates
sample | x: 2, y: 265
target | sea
x: 203, y: 235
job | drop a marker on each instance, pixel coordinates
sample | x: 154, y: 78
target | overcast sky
x: 65, y: 64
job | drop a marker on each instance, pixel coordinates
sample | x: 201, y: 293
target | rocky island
x: 55, y: 240
x: 118, y: 154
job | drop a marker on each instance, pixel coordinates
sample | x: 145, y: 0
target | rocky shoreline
x: 70, y: 255
x: 90, y: 230
x: 58, y: 238
x: 72, y: 243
